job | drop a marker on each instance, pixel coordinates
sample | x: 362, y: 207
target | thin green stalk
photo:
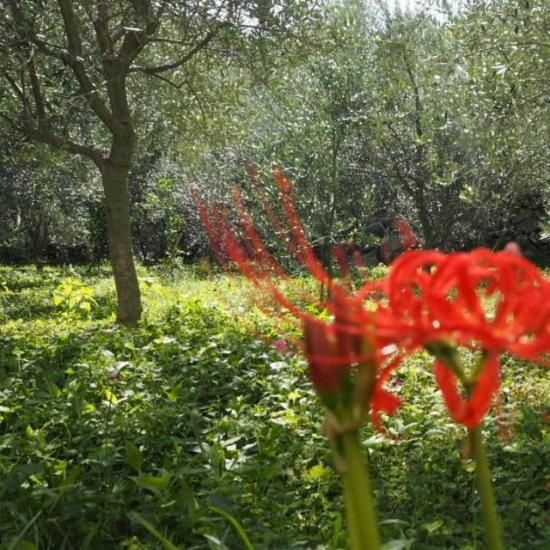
x: 485, y: 486
x: 353, y: 520
x: 360, y: 512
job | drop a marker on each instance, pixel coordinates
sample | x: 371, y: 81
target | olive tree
x: 72, y: 75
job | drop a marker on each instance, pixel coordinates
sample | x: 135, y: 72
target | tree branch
x: 101, y: 27
x: 36, y: 87
x: 199, y: 46
x: 74, y: 60
x: 18, y: 91
x: 12, y: 123
x: 47, y: 136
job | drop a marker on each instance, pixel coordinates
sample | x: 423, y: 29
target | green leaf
x: 433, y: 526
x: 398, y: 544
x: 133, y: 457
x: 70, y: 479
x: 19, y: 542
x: 110, y: 396
x: 53, y: 388
x: 236, y: 525
x: 156, y: 484
x: 134, y: 516
x: 25, y: 545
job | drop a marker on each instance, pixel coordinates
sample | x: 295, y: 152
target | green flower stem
x: 485, y: 487
x: 360, y: 513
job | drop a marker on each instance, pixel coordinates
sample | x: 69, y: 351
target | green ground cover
x: 192, y: 430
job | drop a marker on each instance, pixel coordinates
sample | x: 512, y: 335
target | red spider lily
x: 493, y: 301
x: 344, y: 353
x: 498, y: 299
x: 333, y: 350
x: 472, y: 410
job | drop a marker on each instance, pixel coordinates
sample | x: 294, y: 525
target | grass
x: 193, y: 432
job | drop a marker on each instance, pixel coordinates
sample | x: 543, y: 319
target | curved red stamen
x: 469, y: 411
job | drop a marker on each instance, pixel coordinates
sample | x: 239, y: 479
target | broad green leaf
x: 24, y: 545
x: 133, y: 456
x: 156, y: 484
x: 53, y: 388
x: 110, y: 396
x: 70, y: 479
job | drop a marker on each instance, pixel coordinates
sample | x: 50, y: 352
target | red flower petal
x: 327, y: 365
x: 494, y: 300
x: 469, y: 411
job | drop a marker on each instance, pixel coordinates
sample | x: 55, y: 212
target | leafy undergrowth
x: 193, y: 431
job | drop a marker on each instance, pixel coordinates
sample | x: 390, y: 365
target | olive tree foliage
x: 458, y: 135
x: 421, y: 126
x: 305, y: 111
x: 74, y: 71
x: 159, y: 201
x: 401, y: 114
x: 505, y: 48
x: 389, y: 114
x: 328, y: 137
x: 373, y: 113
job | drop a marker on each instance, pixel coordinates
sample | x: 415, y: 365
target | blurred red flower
x: 493, y: 302
x: 490, y: 302
x: 345, y: 352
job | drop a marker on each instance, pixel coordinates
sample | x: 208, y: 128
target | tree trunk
x: 117, y: 210
x: 424, y: 217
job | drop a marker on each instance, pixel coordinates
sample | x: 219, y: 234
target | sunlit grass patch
x: 221, y: 419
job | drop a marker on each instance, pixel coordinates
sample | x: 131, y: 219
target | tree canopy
x: 70, y: 71
x: 439, y: 117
